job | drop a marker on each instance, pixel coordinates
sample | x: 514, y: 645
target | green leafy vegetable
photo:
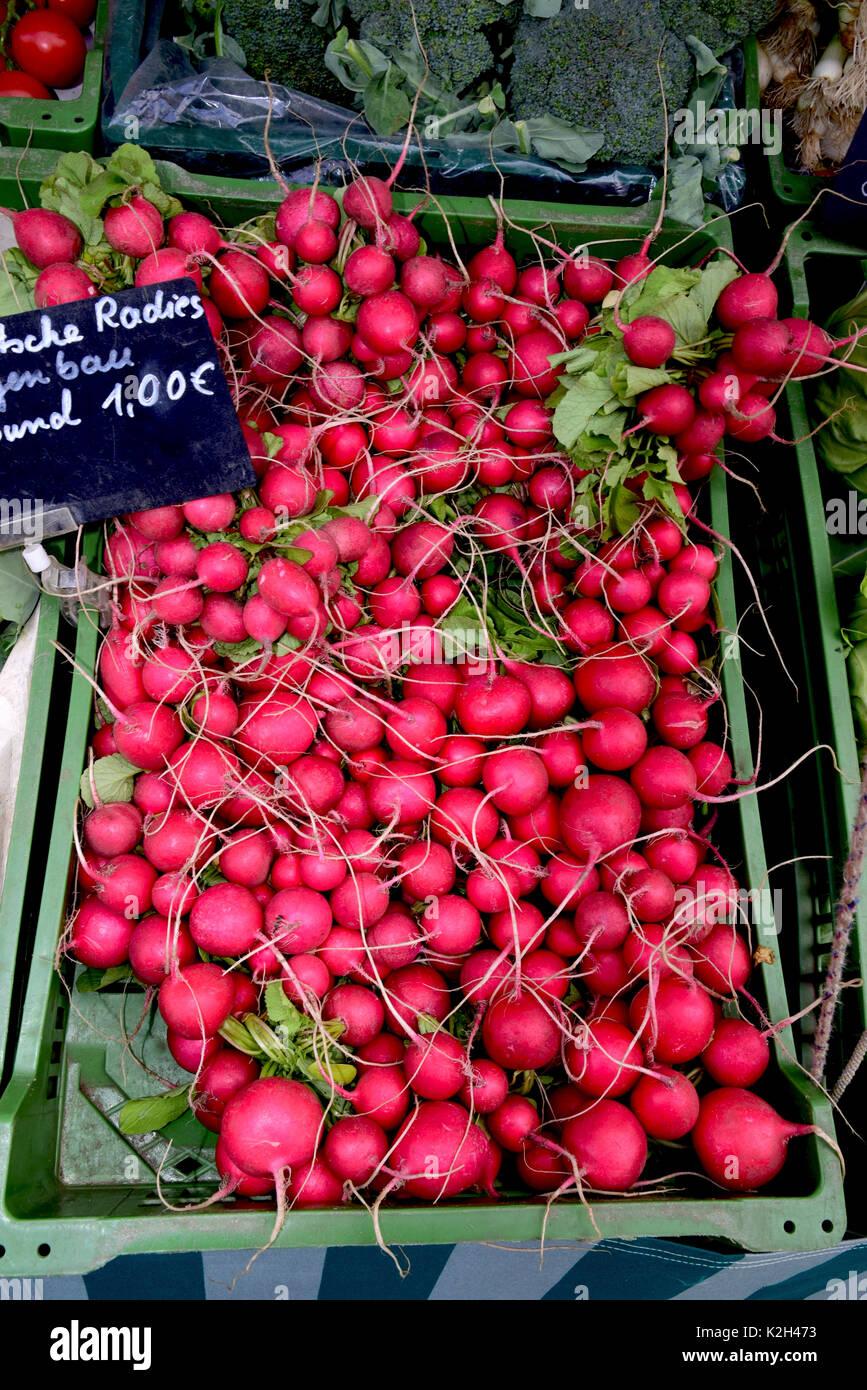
x: 153, y: 1112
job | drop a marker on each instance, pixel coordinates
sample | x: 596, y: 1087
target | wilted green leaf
x: 153, y: 1112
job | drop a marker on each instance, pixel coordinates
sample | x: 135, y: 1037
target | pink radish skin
x: 666, y: 1104
x: 740, y: 1139
x: 520, y: 1034
x: 196, y: 1000
x: 271, y: 1125
x: 355, y: 1147
x: 649, y: 341
x: 46, y: 238
x: 100, y: 935
x: 439, y: 1138
x: 134, y: 228
x: 751, y: 296
x: 677, y: 1024
x: 608, y: 1144
x: 156, y: 947
x: 737, y: 1054
x: 62, y: 284
x: 115, y: 828
x: 486, y: 1088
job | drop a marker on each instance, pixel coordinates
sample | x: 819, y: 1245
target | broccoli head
x: 282, y: 40
x: 718, y: 23
x: 597, y: 68
x: 456, y: 39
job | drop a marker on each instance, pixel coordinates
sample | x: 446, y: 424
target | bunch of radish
x: 419, y: 923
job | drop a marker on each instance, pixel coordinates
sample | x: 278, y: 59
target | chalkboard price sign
x: 112, y: 405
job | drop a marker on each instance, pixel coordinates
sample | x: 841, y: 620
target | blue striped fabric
x: 642, y: 1270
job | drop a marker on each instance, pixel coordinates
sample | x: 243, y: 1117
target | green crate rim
x: 790, y: 188
x: 806, y: 241
x: 14, y: 883
x: 74, y: 1243
x: 61, y: 125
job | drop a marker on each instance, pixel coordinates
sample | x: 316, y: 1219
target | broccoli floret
x: 718, y: 23
x: 456, y: 40
x: 597, y: 68
x: 283, y: 41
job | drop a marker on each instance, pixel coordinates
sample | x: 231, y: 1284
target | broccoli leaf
x: 685, y: 194
x: 573, y: 146
x: 112, y: 777
x: 542, y: 9
x: 386, y: 104
x: 354, y: 62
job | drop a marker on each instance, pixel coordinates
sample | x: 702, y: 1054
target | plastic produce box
x: 827, y: 570
x: 74, y: 1192
x: 18, y: 902
x: 61, y: 125
x: 794, y: 189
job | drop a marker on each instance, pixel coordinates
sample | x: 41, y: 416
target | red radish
x: 618, y: 742
x: 191, y: 1054
x: 520, y: 1034
x: 486, y: 1087
x: 737, y: 1054
x: 439, y: 1150
x: 529, y: 368
x: 355, y: 1147
x: 62, y: 284
x: 493, y: 707
x: 600, y: 817
x: 435, y: 1066
x: 666, y: 409
x: 603, y: 1059
x: 194, y: 234
x: 666, y: 1104
x: 368, y: 202
x: 170, y: 264
x: 114, y: 828
x: 663, y: 777
x: 649, y: 341
x: 300, y: 918
x: 382, y: 1093
x: 676, y: 1023
x: 271, y: 1125
x: 750, y: 296
x: 608, y: 1145
x: 713, y: 769
x: 236, y: 1180
x: 134, y: 228
x: 46, y: 238
x: 239, y: 285
x: 541, y: 1169
x: 100, y: 935
x: 602, y: 919
x: 630, y: 269
x: 613, y: 674
x: 299, y: 207
x: 587, y: 279
x: 311, y: 1185
x: 225, y: 920
x: 740, y: 1139
x: 196, y: 1000
x: 221, y: 1077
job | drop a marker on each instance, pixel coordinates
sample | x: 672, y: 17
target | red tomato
x: 81, y: 12
x: 50, y: 47
x: 21, y: 84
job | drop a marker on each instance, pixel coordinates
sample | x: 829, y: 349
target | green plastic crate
x: 832, y: 568
x: 790, y: 187
x: 74, y: 1193
x: 22, y: 850
x: 60, y: 125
